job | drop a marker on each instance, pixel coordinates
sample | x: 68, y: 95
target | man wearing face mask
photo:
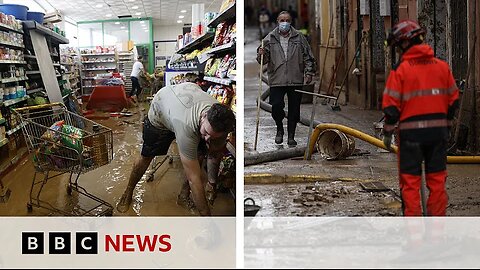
x: 290, y: 65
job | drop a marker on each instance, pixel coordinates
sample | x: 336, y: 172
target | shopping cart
x: 62, y: 142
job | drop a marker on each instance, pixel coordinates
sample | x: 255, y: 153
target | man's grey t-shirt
x: 179, y: 108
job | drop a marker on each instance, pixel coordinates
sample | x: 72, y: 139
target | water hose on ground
x: 378, y: 143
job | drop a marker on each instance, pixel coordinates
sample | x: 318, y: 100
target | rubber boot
x: 280, y: 132
x: 291, y: 133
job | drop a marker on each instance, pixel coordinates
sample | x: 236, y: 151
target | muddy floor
x: 338, y: 191
x: 107, y: 183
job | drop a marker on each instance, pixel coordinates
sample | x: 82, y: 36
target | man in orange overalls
x: 420, y: 97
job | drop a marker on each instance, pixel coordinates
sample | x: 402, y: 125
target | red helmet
x: 404, y: 30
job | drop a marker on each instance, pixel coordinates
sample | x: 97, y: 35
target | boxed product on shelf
x: 221, y: 93
x: 10, y: 54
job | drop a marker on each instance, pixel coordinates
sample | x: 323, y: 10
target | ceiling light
x: 126, y: 31
x: 179, y: 21
x: 183, y: 11
x: 99, y: 6
x: 138, y: 13
x: 117, y: 22
x: 123, y: 27
x: 142, y: 22
x: 131, y: 0
x: 135, y: 7
x: 108, y: 15
x: 181, y: 17
x: 146, y: 30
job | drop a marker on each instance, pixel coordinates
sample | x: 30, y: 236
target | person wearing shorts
x: 198, y: 122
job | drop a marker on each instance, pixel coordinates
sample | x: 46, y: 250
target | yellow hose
x: 372, y: 140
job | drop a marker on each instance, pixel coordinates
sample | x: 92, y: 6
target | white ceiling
x: 164, y: 12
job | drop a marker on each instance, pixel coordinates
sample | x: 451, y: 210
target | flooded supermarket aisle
x: 157, y: 197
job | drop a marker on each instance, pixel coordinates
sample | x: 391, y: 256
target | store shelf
x: 92, y: 69
x: 29, y: 56
x: 224, y: 81
x: 88, y: 86
x: 97, y: 54
x: 9, y: 80
x: 7, y: 27
x: 12, y: 44
x: 32, y: 91
x: 11, y: 102
x: 13, y: 130
x: 32, y: 72
x: 33, y: 25
x: 88, y: 62
x: 12, y: 62
x: 223, y: 48
x: 67, y: 64
x: 2, y: 121
x: 56, y: 65
x: 196, y: 43
x: 3, y: 142
x: 88, y: 78
x: 227, y: 14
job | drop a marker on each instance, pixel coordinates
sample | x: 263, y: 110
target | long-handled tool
x: 335, y: 106
x: 337, y: 62
x: 320, y: 86
x: 258, y: 98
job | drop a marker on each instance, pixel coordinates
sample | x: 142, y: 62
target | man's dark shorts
x: 156, y: 141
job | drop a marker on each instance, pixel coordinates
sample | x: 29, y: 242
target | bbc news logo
x: 87, y: 243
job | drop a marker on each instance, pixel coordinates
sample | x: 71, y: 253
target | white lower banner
x: 362, y: 242
x: 150, y: 242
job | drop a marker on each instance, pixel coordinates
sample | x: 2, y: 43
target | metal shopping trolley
x: 62, y: 142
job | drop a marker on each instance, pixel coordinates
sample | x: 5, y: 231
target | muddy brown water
x: 155, y: 198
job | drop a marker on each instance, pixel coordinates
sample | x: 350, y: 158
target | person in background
x: 137, y: 71
x: 199, y: 124
x: 263, y: 20
x: 116, y: 74
x: 294, y: 15
x: 283, y: 43
x: 421, y: 97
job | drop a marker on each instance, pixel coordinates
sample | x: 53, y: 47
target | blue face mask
x: 284, y: 26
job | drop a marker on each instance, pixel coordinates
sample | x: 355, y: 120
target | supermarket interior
x: 77, y: 80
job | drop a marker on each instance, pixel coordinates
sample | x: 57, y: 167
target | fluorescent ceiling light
x: 179, y: 21
x: 135, y: 7
x: 181, y: 17
x: 142, y: 22
x: 108, y: 15
x: 123, y: 27
x: 138, y: 13
x: 117, y: 22
x: 183, y: 11
x: 146, y: 30
x: 99, y: 6
x: 131, y: 0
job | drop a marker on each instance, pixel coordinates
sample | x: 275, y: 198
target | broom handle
x: 258, y: 99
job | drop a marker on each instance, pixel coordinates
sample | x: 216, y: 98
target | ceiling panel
x: 164, y: 12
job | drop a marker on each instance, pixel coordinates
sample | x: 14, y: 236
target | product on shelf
x: 181, y: 78
x: 232, y: 69
x: 221, y: 93
x: 212, y: 66
x: 11, y: 38
x: 11, y: 21
x: 99, y: 50
x: 222, y: 70
x: 11, y: 54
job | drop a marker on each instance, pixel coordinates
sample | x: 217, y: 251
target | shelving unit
x: 125, y: 65
x: 93, y: 64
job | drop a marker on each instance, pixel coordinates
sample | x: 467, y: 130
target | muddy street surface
x: 151, y: 198
x: 295, y: 187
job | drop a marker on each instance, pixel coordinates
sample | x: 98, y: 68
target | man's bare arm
x: 193, y: 173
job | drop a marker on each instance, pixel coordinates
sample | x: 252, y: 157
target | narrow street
x: 319, y: 187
